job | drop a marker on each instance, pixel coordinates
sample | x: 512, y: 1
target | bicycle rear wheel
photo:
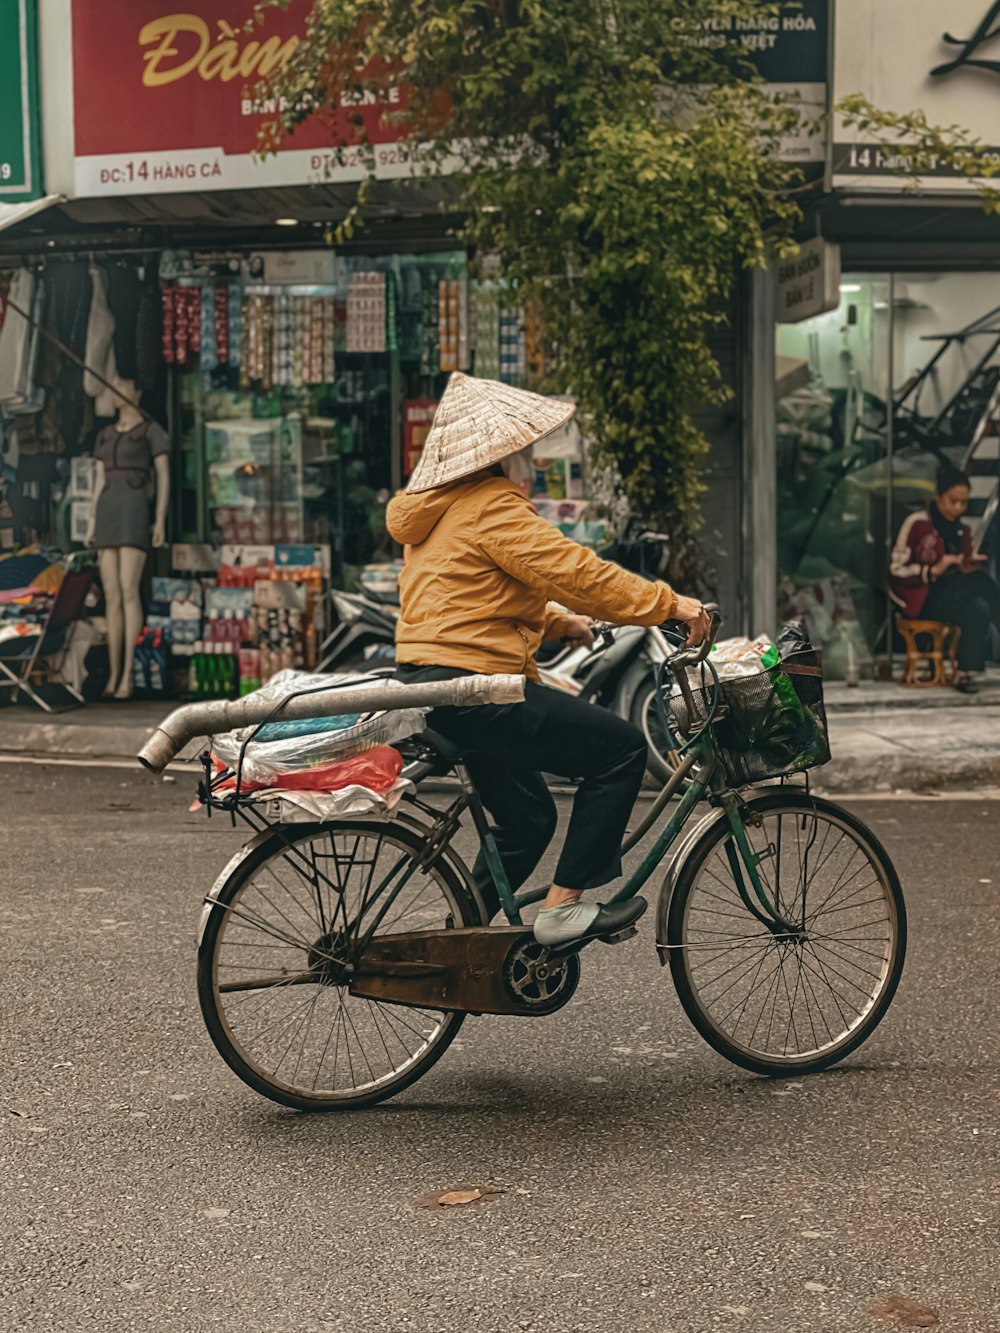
x: 280, y: 934
x: 795, y: 1002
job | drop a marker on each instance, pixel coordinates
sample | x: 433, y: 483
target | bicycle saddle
x: 442, y: 747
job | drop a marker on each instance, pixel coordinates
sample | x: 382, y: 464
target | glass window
x: 871, y: 398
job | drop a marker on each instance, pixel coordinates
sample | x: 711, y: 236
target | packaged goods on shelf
x: 366, y: 312
x: 513, y: 357
x: 486, y: 330
x: 453, y: 324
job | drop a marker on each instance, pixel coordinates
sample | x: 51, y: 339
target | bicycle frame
x: 702, y: 768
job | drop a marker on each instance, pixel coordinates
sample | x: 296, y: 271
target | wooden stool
x: 944, y: 650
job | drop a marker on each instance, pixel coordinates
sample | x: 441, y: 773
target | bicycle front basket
x: 770, y: 724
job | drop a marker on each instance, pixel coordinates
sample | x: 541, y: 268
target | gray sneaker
x: 587, y: 921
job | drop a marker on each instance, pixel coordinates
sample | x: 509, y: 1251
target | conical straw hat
x: 478, y: 423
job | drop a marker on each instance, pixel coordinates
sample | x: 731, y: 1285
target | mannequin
x: 132, y: 463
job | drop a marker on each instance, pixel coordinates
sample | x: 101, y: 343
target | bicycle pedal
x: 619, y: 936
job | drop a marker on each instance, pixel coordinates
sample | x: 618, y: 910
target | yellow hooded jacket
x: 481, y: 567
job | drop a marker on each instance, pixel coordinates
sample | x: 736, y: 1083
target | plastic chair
x: 19, y: 658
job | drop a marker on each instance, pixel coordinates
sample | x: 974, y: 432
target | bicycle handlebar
x: 204, y: 719
x: 692, y: 656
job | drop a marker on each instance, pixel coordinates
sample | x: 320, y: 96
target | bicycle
x: 337, y: 961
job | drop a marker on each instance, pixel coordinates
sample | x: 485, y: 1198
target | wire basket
x: 762, y: 729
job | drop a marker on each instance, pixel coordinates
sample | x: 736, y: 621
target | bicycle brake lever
x: 692, y: 656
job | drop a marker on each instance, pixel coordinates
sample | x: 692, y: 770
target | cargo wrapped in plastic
x: 282, y: 747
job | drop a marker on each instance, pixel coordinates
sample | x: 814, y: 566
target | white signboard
x: 809, y: 284
x: 299, y: 266
x: 907, y: 55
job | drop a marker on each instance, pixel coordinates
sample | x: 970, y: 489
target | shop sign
x: 809, y: 283
x: 906, y: 54
x: 307, y: 267
x: 20, y: 158
x: 790, y: 50
x: 418, y: 413
x: 163, y: 103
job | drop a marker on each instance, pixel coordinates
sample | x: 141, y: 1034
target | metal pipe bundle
x: 205, y: 719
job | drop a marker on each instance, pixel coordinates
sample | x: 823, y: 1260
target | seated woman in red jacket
x: 936, y: 576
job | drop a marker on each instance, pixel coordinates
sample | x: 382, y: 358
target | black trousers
x: 970, y: 601
x: 507, y: 748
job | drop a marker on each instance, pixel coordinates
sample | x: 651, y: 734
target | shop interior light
x: 286, y: 222
x: 847, y: 287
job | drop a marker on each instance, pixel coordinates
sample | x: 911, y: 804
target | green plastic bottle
x: 805, y: 739
x: 784, y: 688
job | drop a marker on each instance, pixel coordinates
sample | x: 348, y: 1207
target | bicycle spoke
x: 831, y: 899
x: 374, y: 1017
x: 848, y: 944
x: 726, y: 972
x: 305, y: 1034
x: 790, y: 1029
x: 842, y: 879
x: 322, y: 1059
x: 837, y: 997
x: 774, y: 981
x: 865, y: 971
x: 298, y: 899
x: 755, y: 986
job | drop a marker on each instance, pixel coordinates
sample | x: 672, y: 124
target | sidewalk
x: 883, y: 737
x: 96, y: 731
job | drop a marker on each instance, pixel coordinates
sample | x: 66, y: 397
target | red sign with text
x: 418, y: 413
x: 164, y: 102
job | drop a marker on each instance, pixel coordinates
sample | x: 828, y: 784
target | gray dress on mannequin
x: 123, y: 517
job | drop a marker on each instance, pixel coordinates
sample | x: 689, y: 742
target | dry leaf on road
x: 905, y: 1313
x: 460, y: 1197
x: 455, y: 1197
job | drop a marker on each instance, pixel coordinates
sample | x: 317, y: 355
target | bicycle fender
x: 677, y: 859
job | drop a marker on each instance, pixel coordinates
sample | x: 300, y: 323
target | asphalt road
x: 645, y: 1183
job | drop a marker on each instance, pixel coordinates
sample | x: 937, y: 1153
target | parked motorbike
x: 365, y: 629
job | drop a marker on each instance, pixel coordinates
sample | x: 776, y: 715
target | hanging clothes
x: 17, y: 342
x: 100, y: 349
x: 148, y: 333
x: 124, y: 293
x: 69, y: 307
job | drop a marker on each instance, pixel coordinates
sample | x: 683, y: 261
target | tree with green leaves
x: 620, y: 162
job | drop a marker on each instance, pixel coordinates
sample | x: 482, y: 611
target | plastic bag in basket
x: 291, y: 747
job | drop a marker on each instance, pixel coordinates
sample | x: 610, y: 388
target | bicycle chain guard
x: 474, y: 970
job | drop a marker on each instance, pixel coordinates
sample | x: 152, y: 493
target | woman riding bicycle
x: 481, y: 568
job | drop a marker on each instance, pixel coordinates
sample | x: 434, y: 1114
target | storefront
x: 293, y: 379
x: 900, y: 370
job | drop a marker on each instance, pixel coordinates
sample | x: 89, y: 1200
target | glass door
x: 834, y: 449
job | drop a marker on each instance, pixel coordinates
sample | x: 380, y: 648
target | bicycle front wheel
x: 280, y: 937
x: 797, y: 1001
